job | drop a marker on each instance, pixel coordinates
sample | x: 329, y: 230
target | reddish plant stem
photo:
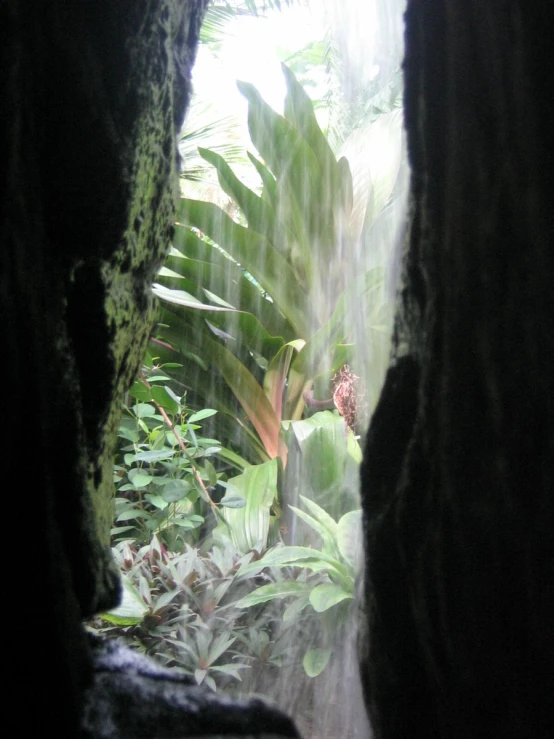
x: 181, y: 443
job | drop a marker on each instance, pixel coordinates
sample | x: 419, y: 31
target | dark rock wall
x: 459, y: 463
x: 93, y: 94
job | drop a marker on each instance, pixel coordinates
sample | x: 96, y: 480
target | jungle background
x: 237, y: 527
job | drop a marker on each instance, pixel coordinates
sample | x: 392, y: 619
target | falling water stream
x: 368, y: 38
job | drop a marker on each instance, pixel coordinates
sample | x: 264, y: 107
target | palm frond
x: 203, y: 126
x: 216, y: 22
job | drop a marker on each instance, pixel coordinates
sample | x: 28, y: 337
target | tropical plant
x: 181, y: 609
x: 220, y: 615
x: 265, y: 303
x: 331, y: 588
x: 326, y: 456
x: 210, y: 122
x: 164, y: 471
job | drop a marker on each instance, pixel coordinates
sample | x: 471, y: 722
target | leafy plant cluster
x: 184, y: 487
x: 222, y: 616
x: 164, y: 473
x: 226, y: 549
x: 180, y: 608
x: 257, y: 309
x: 207, y: 588
x: 328, y: 590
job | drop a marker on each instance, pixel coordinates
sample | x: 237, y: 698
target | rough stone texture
x: 132, y: 697
x: 459, y: 463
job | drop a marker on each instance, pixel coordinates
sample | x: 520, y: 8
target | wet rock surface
x: 131, y: 697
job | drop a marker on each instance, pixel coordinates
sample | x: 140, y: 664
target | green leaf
x: 274, y: 591
x: 132, y: 608
x: 307, y: 188
x: 139, y: 478
x: 164, y: 399
x: 258, y: 213
x: 132, y: 515
x: 299, y: 557
x: 255, y: 403
x: 251, y: 396
x: 326, y: 595
x: 315, y: 661
x: 336, y: 193
x: 190, y: 522
x: 154, y: 456
x: 144, y: 410
x: 201, y: 415
x: 276, y: 376
x: 199, y: 676
x: 320, y: 514
x: 180, y: 297
x: 176, y: 490
x: 139, y: 391
x: 324, y: 532
x: 236, y: 460
x: 272, y: 135
x: 299, y: 110
x: 256, y: 254
x: 293, y: 610
x: 322, y: 440
x: 165, y: 599
x: 270, y: 185
x: 232, y: 502
x: 208, y: 473
x: 207, y: 265
x: 353, y: 447
x: 349, y: 537
x: 326, y: 339
x: 232, y: 670
x: 171, y: 394
x: 244, y: 386
x: 249, y: 525
x: 157, y: 501
x: 219, y: 646
x: 129, y: 434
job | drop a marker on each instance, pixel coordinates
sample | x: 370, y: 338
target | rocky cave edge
x: 459, y: 463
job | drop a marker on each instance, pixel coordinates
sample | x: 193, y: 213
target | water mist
x: 369, y: 38
x: 367, y: 130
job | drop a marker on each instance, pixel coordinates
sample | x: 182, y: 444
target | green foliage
x: 222, y: 612
x: 181, y: 608
x: 210, y: 122
x: 327, y: 458
x: 335, y: 567
x: 262, y: 303
x: 219, y: 614
x: 247, y: 507
x: 253, y: 324
x: 165, y: 471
